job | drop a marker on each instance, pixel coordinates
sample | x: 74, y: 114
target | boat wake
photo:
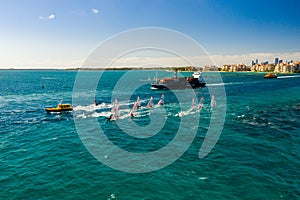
x: 49, y: 78
x: 231, y: 83
x: 92, y: 107
x: 295, y: 76
x: 105, y: 110
x: 189, y: 112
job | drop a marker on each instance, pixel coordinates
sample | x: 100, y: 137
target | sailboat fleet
x: 115, y: 112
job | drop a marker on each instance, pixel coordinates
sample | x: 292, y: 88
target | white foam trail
x: 92, y: 107
x: 106, y: 110
x: 296, y: 76
x: 94, y: 115
x: 217, y: 84
x: 91, y: 111
x: 102, y: 114
x: 141, y: 114
x: 232, y: 83
x: 82, y: 116
x: 49, y: 78
x: 222, y: 84
x: 184, y: 113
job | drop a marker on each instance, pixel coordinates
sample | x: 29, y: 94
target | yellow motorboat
x: 270, y: 75
x: 60, y: 108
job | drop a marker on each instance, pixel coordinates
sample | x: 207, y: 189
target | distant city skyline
x: 61, y: 34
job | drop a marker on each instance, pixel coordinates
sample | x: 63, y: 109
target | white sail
x: 161, y: 101
x: 150, y: 103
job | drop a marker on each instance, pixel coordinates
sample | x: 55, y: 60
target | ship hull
x: 177, y: 84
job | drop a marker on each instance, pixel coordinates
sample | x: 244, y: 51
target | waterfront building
x: 287, y: 67
x: 263, y: 67
x: 234, y: 67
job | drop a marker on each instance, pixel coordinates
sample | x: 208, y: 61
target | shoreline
x: 138, y: 69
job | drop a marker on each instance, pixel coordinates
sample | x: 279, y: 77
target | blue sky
x: 60, y: 34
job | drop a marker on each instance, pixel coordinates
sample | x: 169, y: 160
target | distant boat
x: 270, y: 75
x: 176, y: 83
x: 60, y: 108
x: 146, y: 80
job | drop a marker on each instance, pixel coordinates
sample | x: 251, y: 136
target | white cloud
x: 51, y: 16
x: 95, y: 11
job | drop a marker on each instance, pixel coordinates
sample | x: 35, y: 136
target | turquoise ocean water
x: 42, y: 156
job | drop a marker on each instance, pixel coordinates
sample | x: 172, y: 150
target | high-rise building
x: 265, y: 63
x: 276, y: 61
x: 256, y: 61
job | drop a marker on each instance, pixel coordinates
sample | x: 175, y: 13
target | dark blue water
x: 43, y: 156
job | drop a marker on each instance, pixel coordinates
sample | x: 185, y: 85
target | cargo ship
x: 179, y: 83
